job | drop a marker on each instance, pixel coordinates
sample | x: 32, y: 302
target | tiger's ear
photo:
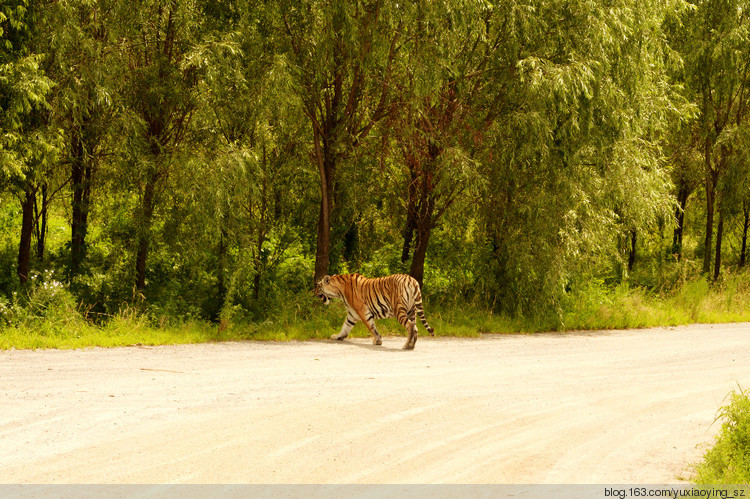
x: 326, y: 279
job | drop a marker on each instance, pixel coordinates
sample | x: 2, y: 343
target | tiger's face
x: 325, y: 290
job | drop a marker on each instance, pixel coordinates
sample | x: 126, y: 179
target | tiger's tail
x: 420, y: 312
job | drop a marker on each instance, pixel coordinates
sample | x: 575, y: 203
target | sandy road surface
x: 601, y: 407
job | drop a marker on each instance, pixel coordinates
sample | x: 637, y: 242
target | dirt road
x: 600, y: 407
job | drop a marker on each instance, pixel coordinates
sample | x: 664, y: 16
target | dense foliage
x: 210, y: 159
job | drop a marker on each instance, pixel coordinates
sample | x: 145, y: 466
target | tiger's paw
x: 337, y: 337
x: 377, y: 341
x: 409, y: 346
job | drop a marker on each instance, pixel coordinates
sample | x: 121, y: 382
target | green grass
x: 115, y: 333
x: 693, y: 302
x: 49, y: 318
x: 66, y: 329
x: 728, y: 461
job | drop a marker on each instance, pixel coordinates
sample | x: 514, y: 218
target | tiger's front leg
x: 370, y: 322
x: 349, y: 323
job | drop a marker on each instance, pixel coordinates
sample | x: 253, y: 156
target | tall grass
x: 728, y: 461
x: 695, y: 301
x: 47, y: 316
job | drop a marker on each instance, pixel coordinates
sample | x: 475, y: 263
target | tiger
x: 366, y: 299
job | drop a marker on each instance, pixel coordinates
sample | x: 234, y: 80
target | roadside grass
x: 728, y: 461
x: 694, y: 302
x: 49, y: 318
x: 115, y: 333
x: 315, y: 321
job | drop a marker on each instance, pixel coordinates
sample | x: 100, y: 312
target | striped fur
x: 380, y: 298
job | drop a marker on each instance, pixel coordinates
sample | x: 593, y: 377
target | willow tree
x: 687, y: 175
x: 160, y: 98
x: 27, y: 145
x: 84, y: 101
x: 444, y: 74
x: 341, y: 56
x: 714, y: 40
x: 246, y: 180
x: 574, y: 160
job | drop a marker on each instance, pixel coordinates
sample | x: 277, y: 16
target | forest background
x: 178, y: 166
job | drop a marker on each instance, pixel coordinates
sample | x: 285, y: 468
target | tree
x: 160, y: 98
x: 443, y: 77
x: 83, y: 104
x: 574, y: 160
x: 341, y: 55
x: 717, y: 59
x: 26, y: 144
x: 686, y: 176
x: 247, y: 181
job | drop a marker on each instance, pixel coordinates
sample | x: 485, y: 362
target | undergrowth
x: 47, y: 316
x: 728, y: 461
x: 694, y: 301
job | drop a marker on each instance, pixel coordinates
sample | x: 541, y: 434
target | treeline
x: 216, y: 156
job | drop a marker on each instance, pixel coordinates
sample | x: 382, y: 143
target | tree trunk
x: 323, y: 251
x: 144, y: 237
x: 682, y: 199
x: 420, y: 252
x: 411, y: 215
x: 27, y: 228
x: 262, y: 230
x: 40, y: 217
x: 351, y: 242
x: 326, y: 167
x: 221, y: 264
x: 408, y: 238
x: 81, y: 174
x: 423, y: 226
x: 631, y: 256
x: 710, y: 196
x: 719, y: 235
x: 745, y: 226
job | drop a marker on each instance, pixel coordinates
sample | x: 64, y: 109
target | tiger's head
x: 326, y: 290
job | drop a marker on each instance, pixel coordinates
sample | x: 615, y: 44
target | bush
x: 47, y: 305
x: 728, y: 461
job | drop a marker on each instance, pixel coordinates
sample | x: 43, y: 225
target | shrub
x: 47, y: 305
x: 728, y: 461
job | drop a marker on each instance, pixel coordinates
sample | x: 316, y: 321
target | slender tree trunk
x: 424, y: 226
x: 411, y: 214
x: 81, y: 176
x: 632, y: 255
x: 682, y: 199
x: 221, y: 264
x: 323, y: 251
x: 260, y: 259
x: 256, y: 285
x: 710, y: 203
x: 326, y: 167
x: 27, y: 229
x: 719, y: 235
x: 40, y: 217
x: 708, y: 242
x: 144, y: 238
x: 745, y: 226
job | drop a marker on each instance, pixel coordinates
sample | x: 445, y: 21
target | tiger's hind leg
x: 411, y: 328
